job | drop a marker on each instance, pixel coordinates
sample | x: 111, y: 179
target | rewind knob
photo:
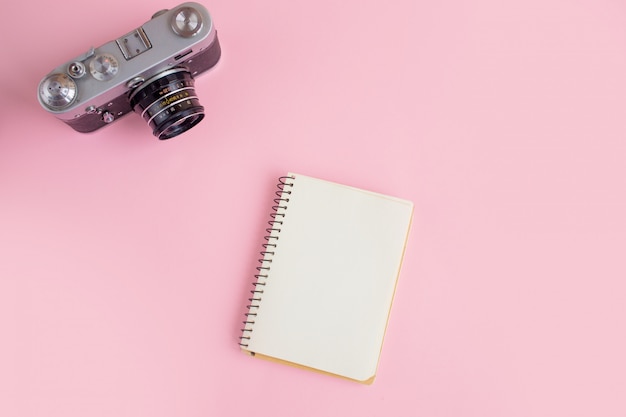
x: 186, y: 22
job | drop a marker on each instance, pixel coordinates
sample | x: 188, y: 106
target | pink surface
x: 125, y: 263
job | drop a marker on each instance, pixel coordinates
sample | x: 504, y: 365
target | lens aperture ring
x: 166, y: 100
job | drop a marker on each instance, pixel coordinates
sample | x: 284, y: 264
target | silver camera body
x: 150, y: 70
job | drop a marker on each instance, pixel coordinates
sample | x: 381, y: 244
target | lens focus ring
x: 168, y: 103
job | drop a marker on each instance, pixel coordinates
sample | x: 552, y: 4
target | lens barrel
x: 168, y: 103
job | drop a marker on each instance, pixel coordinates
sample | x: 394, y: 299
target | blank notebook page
x: 332, y: 278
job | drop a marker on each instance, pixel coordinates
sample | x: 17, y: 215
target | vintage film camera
x: 150, y: 70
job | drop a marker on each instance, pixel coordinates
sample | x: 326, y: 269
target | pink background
x: 125, y: 262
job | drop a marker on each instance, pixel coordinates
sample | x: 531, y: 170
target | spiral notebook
x: 327, y: 277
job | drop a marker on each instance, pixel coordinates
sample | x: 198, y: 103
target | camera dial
x: 186, y: 22
x: 57, y: 91
x: 103, y: 67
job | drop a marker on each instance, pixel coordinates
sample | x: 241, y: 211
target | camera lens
x: 168, y: 102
